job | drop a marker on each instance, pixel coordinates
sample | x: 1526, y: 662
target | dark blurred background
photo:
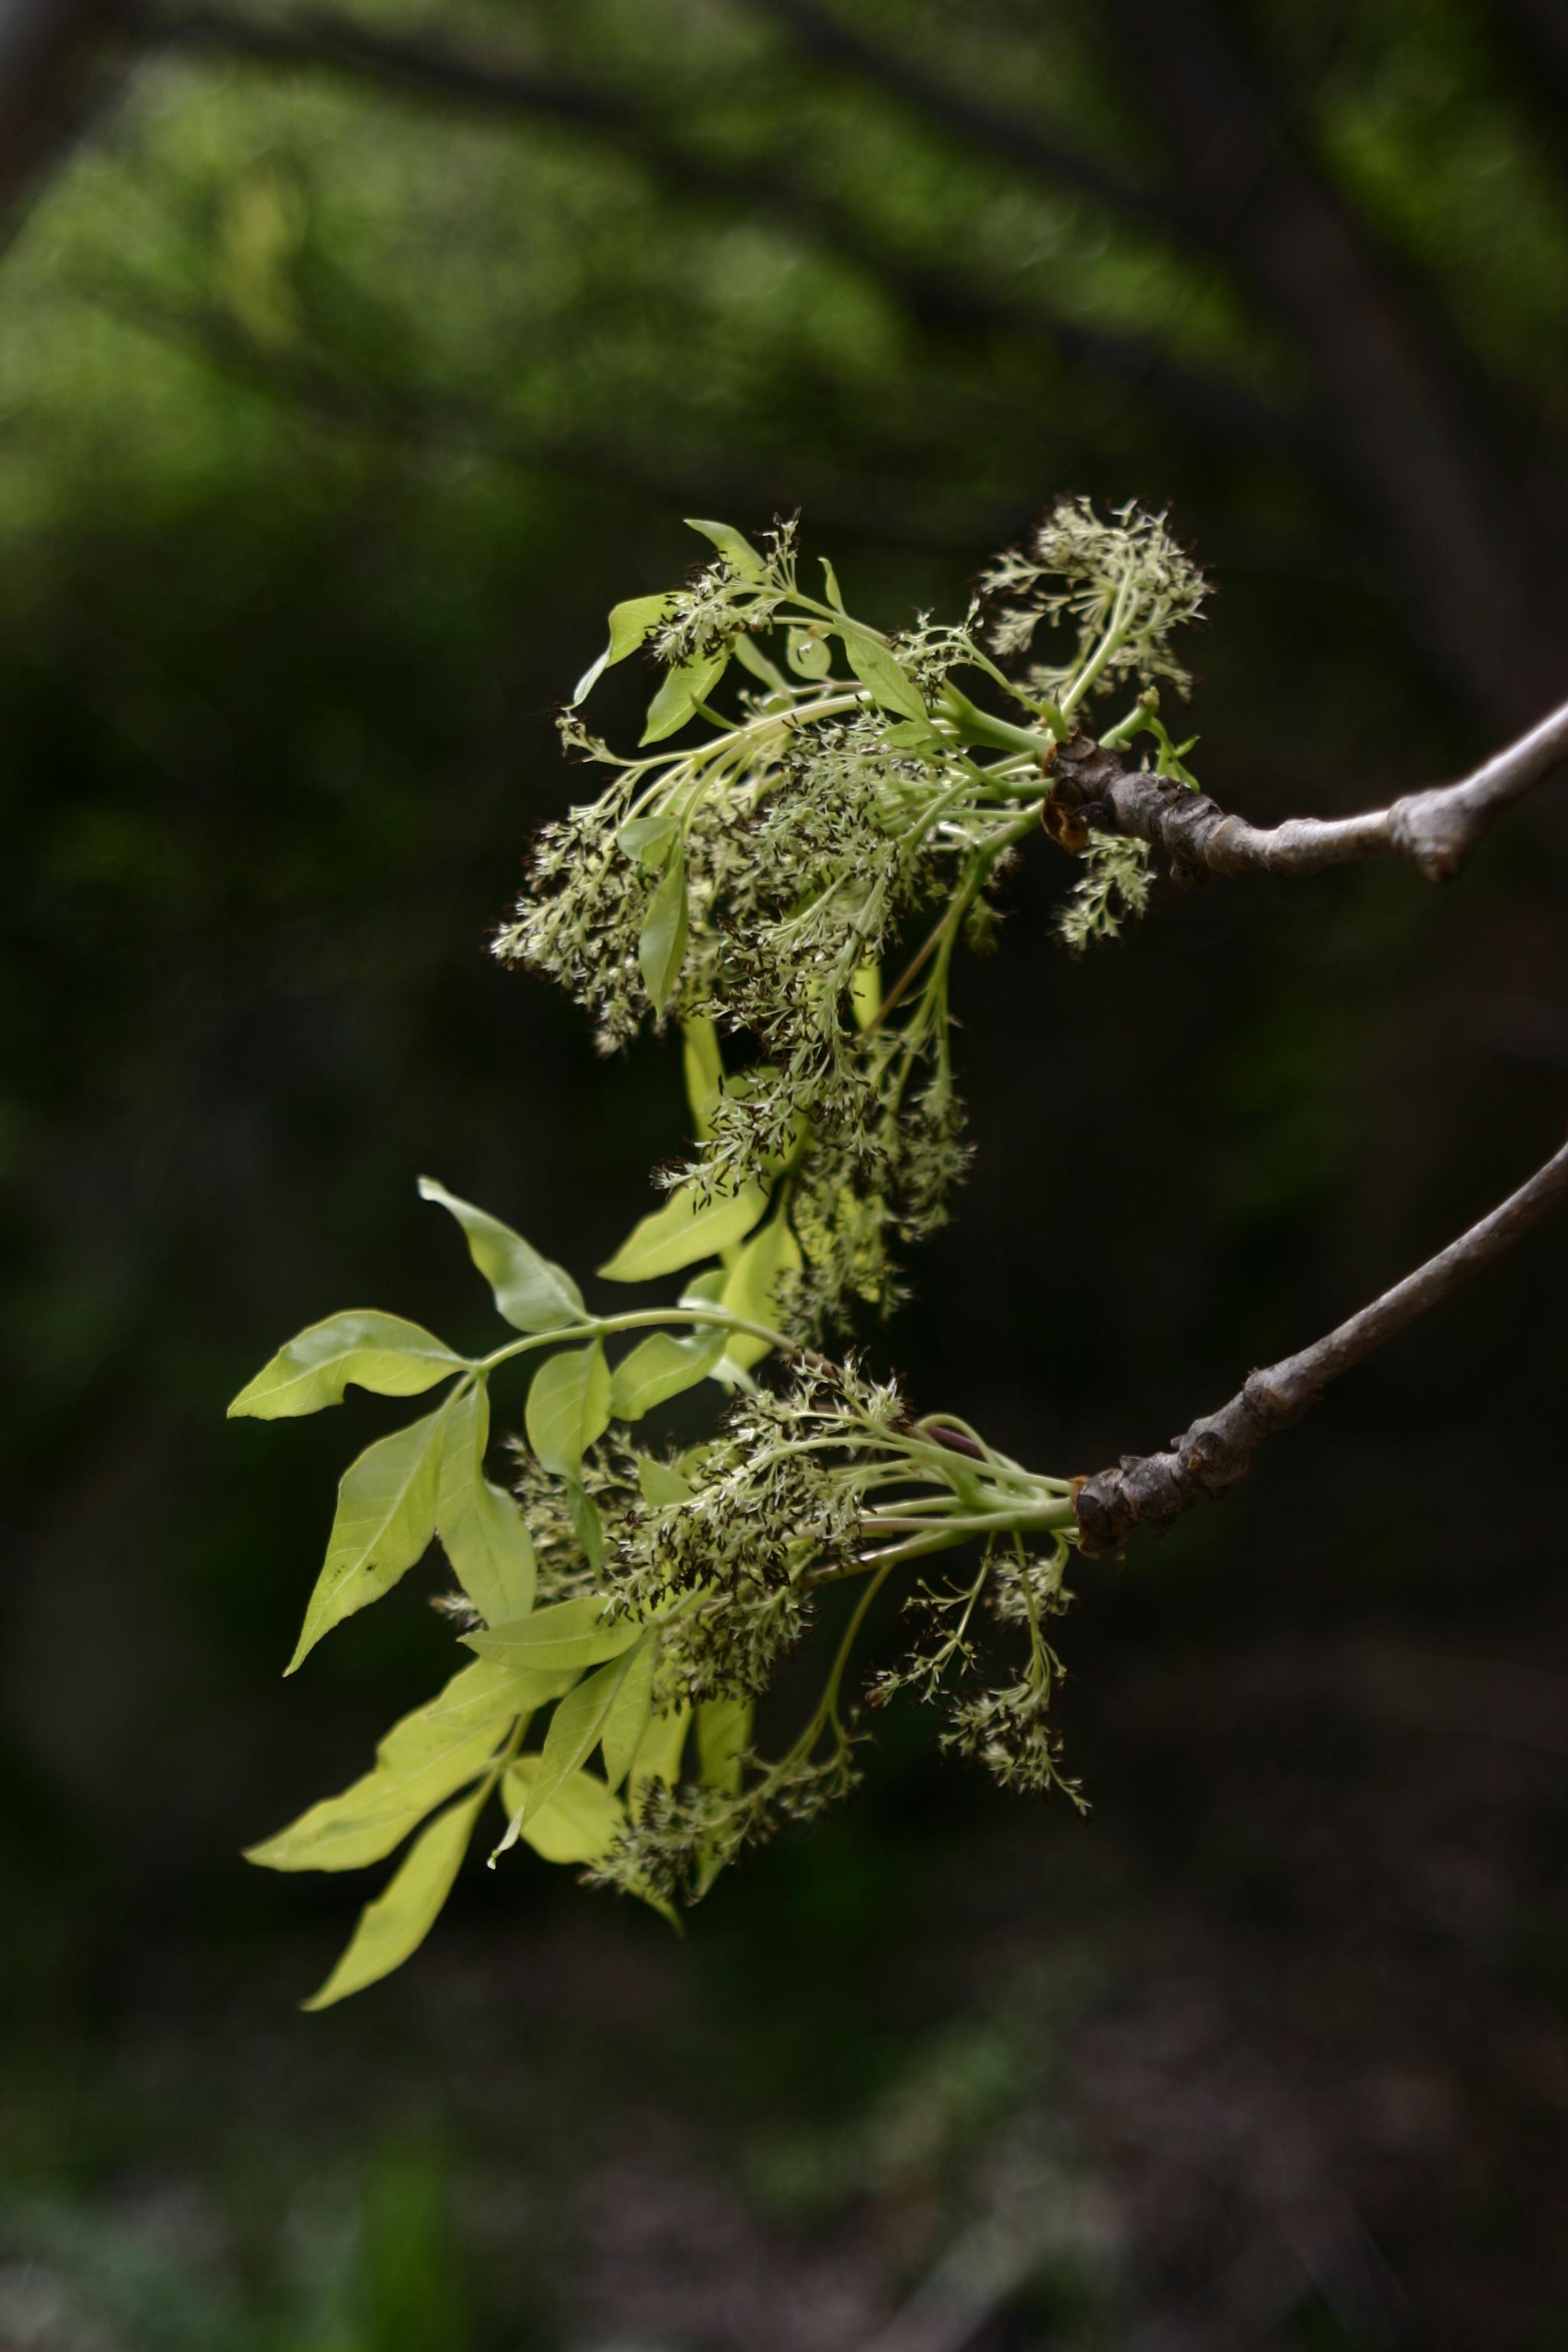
x: 354, y: 359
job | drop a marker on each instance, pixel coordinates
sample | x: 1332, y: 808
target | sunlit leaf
x: 419, y: 1764
x: 400, y: 1918
x: 690, y: 683
x: 875, y: 667
x: 752, y: 1289
x: 568, y: 1407
x: 660, y: 1367
x: 580, y: 1823
x: 660, y: 1751
x: 575, y: 1729
x: 627, y: 1717
x: 586, y: 1524
x: 661, y: 1484
x: 702, y: 1069
x: 531, y: 1293
x: 382, y: 1352
x: 723, y: 1731
x: 687, y: 1228
x: 567, y: 1634
x: 631, y: 624
x: 484, y: 1533
x: 384, y: 1518
x: 646, y: 839
x: 733, y: 546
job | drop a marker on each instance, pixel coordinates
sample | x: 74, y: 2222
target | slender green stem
x: 603, y: 1326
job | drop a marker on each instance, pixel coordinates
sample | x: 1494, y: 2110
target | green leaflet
x: 568, y: 1635
x: 629, y: 1711
x: 421, y: 1761
x: 702, y: 1067
x: 808, y: 653
x: 568, y: 1407
x: 662, y: 945
x: 875, y: 667
x: 684, y: 1230
x: 484, y: 1534
x: 586, y: 1525
x: 661, y: 1483
x: 403, y: 1915
x: 631, y: 624
x: 580, y: 1823
x: 690, y: 683
x: 532, y: 1293
x: 660, y: 1751
x: 384, y: 1518
x: 750, y: 1290
x: 382, y: 1352
x: 581, y: 1720
x: 723, y: 1730
x: 835, y: 594
x: 646, y: 840
x: 733, y: 546
x: 660, y: 1367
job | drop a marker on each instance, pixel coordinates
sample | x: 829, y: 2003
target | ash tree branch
x: 1436, y: 830
x: 1218, y: 1452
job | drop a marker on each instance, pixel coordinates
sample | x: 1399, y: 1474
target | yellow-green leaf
x: 569, y: 1634
x: 631, y: 624
x: 662, y: 945
x: 627, y: 1718
x: 484, y: 1533
x: 421, y: 1761
x: 384, y: 1518
x: 660, y: 1367
x: 532, y: 1293
x: 702, y: 1067
x: 733, y: 546
x: 690, y: 683
x: 723, y: 1731
x: 875, y: 667
x: 381, y: 1352
x: 580, y: 1823
x: 581, y: 1718
x: 568, y: 1407
x: 660, y: 1751
x: 751, y: 1289
x: 400, y: 1918
x: 687, y: 1228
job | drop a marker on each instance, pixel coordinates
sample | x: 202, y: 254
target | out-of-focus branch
x: 1214, y: 1453
x: 56, y: 73
x: 1437, y: 829
x: 997, y: 131
x: 941, y: 302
